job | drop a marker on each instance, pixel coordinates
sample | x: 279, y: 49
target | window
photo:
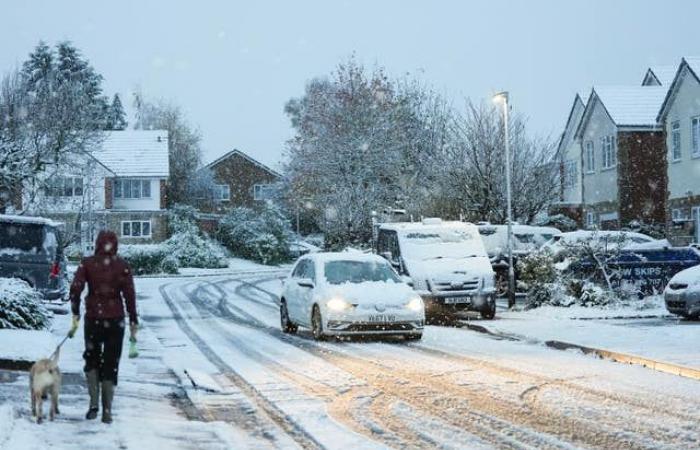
x: 609, y: 152
x: 65, y: 187
x: 676, y: 141
x: 305, y: 269
x: 136, y: 228
x: 570, y: 174
x: 678, y: 215
x: 263, y: 191
x: 695, y: 135
x: 590, y: 219
x: 222, y: 192
x: 132, y: 189
x: 590, y: 157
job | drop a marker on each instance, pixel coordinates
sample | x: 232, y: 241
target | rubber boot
x: 93, y: 383
x: 107, y: 396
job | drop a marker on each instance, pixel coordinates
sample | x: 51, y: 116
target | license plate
x: 453, y: 300
x: 381, y: 318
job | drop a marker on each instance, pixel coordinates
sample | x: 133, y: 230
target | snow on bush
x: 148, y: 259
x: 189, y: 249
x: 262, y: 235
x: 182, y: 219
x: 21, y: 306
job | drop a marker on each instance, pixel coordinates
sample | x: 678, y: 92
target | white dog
x: 45, y: 378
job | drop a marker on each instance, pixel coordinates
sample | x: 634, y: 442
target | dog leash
x: 59, y: 346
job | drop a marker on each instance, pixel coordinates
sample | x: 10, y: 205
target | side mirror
x: 408, y: 280
x: 306, y: 283
x: 386, y: 255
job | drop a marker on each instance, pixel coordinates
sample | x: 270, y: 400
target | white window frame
x: 590, y: 219
x: 131, y: 228
x: 58, y: 185
x: 259, y: 189
x: 222, y: 192
x: 676, y: 154
x: 589, y: 153
x: 119, y: 192
x: 677, y: 215
x: 695, y: 136
x: 609, y: 152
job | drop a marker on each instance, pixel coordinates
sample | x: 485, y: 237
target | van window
x: 21, y: 237
x: 452, y: 243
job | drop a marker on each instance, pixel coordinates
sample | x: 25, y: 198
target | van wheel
x: 287, y: 325
x: 489, y: 312
x: 317, y: 324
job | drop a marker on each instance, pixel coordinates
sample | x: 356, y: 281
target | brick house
x: 120, y: 185
x: 623, y: 157
x: 239, y: 180
x: 680, y: 116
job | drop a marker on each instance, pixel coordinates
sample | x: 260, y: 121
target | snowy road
x: 455, y: 389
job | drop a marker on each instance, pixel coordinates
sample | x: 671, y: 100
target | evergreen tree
x: 117, y: 116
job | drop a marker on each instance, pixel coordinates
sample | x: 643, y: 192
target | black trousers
x: 103, y: 347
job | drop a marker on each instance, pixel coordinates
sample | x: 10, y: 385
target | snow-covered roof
x: 663, y: 74
x: 323, y: 257
x: 694, y: 64
x: 631, y: 105
x: 247, y: 157
x: 29, y: 219
x: 135, y: 153
x: 689, y: 65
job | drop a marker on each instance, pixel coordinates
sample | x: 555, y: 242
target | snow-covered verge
x: 21, y: 306
x: 643, y: 328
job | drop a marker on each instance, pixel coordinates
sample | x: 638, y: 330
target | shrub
x: 147, y: 259
x: 182, y: 219
x: 262, y: 235
x: 189, y: 249
x: 21, y: 306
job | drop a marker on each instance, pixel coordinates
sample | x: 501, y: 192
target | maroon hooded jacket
x: 109, y: 280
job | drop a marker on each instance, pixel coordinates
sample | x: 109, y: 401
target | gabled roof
x: 659, y: 76
x: 690, y: 66
x: 579, y: 99
x: 627, y: 106
x: 135, y: 153
x: 236, y: 152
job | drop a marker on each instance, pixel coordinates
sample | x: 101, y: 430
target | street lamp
x: 502, y: 98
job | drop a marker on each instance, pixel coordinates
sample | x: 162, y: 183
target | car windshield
x: 453, y: 243
x: 21, y: 238
x: 339, y: 272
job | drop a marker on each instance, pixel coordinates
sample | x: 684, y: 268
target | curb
x: 659, y: 366
x: 16, y: 364
x: 625, y: 358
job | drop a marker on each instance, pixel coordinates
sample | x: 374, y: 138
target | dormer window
x: 129, y: 189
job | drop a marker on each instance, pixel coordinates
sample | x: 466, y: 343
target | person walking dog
x: 110, y: 286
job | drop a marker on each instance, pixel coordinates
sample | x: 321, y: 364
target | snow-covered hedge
x: 148, y: 259
x: 182, y: 219
x: 189, y: 249
x: 21, y: 306
x: 261, y: 234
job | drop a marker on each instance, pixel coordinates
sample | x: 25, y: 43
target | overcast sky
x: 233, y: 64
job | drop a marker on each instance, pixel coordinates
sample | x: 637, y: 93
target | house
x: 239, y: 180
x: 680, y: 116
x: 623, y: 157
x: 569, y: 151
x: 120, y: 185
x: 659, y: 76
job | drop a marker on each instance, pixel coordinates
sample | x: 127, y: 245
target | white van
x: 446, y: 262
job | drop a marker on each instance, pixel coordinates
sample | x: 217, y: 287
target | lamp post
x: 502, y: 97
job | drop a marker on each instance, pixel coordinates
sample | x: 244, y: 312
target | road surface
x: 455, y: 389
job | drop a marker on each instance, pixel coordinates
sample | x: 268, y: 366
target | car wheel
x: 317, y: 324
x: 489, y: 312
x: 286, y: 324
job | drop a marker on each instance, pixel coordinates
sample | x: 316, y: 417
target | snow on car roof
x: 29, y: 219
x: 420, y: 226
x: 323, y: 257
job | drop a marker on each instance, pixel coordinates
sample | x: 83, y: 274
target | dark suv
x: 31, y: 249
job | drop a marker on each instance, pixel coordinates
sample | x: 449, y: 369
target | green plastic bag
x: 133, y: 351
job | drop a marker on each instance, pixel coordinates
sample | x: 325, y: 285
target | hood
x: 371, y: 292
x: 449, y: 269
x: 106, y: 243
x: 689, y: 276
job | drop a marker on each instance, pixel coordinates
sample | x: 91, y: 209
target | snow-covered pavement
x: 260, y: 388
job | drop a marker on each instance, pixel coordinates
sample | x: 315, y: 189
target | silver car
x: 682, y: 295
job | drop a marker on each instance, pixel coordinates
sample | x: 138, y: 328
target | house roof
x: 692, y: 66
x: 581, y: 99
x: 135, y: 153
x: 662, y: 74
x: 236, y: 152
x: 627, y: 106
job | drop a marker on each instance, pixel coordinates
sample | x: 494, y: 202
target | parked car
x: 299, y: 248
x: 606, y: 240
x: 349, y: 293
x: 682, y: 295
x: 526, y: 239
x: 31, y: 249
x: 446, y: 262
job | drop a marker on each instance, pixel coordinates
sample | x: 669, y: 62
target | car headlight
x: 337, y: 304
x: 415, y: 304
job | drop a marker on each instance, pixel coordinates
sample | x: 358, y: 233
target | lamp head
x: 500, y: 97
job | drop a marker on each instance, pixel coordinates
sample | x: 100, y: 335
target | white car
x: 682, y: 295
x: 349, y: 293
x: 603, y: 239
